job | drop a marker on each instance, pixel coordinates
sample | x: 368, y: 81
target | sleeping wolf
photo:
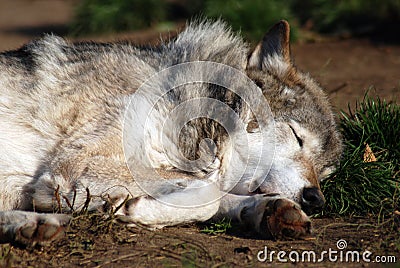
x: 194, y: 129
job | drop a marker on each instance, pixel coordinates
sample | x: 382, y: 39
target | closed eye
x: 299, y: 140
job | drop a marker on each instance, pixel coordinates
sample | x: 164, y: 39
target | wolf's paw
x: 284, y: 218
x: 29, y: 228
x: 43, y: 229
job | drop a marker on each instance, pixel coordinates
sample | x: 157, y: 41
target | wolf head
x: 308, y: 145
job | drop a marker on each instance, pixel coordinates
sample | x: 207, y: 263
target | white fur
x: 199, y: 201
x: 277, y: 64
x: 286, y: 176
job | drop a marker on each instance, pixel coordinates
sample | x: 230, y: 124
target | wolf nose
x: 313, y: 200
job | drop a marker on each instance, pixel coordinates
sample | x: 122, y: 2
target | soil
x: 346, y: 68
x: 95, y: 242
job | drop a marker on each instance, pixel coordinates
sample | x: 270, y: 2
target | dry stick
x: 120, y: 205
x: 57, y: 196
x: 68, y: 203
x: 88, y: 199
x: 169, y: 253
x: 118, y: 259
x: 73, y: 200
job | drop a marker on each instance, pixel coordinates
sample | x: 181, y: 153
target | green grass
x: 219, y: 227
x: 367, y: 188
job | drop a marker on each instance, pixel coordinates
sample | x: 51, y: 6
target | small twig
x: 57, y: 196
x: 120, y: 205
x: 68, y: 203
x: 88, y: 199
x: 73, y: 199
x: 118, y: 259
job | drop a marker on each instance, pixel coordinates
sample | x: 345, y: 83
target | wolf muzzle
x: 312, y: 200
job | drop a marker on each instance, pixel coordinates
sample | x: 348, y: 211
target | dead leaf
x: 368, y: 154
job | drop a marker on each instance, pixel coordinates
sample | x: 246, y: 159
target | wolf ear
x: 273, y: 52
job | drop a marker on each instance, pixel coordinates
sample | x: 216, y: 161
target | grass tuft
x: 360, y: 186
x: 219, y: 227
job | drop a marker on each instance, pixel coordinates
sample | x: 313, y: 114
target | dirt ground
x: 346, y: 69
x: 95, y: 243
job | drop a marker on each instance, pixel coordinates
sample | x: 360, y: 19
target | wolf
x: 113, y: 125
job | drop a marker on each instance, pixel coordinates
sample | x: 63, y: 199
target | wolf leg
x: 198, y: 200
x: 153, y: 202
x: 28, y: 228
x: 271, y: 216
